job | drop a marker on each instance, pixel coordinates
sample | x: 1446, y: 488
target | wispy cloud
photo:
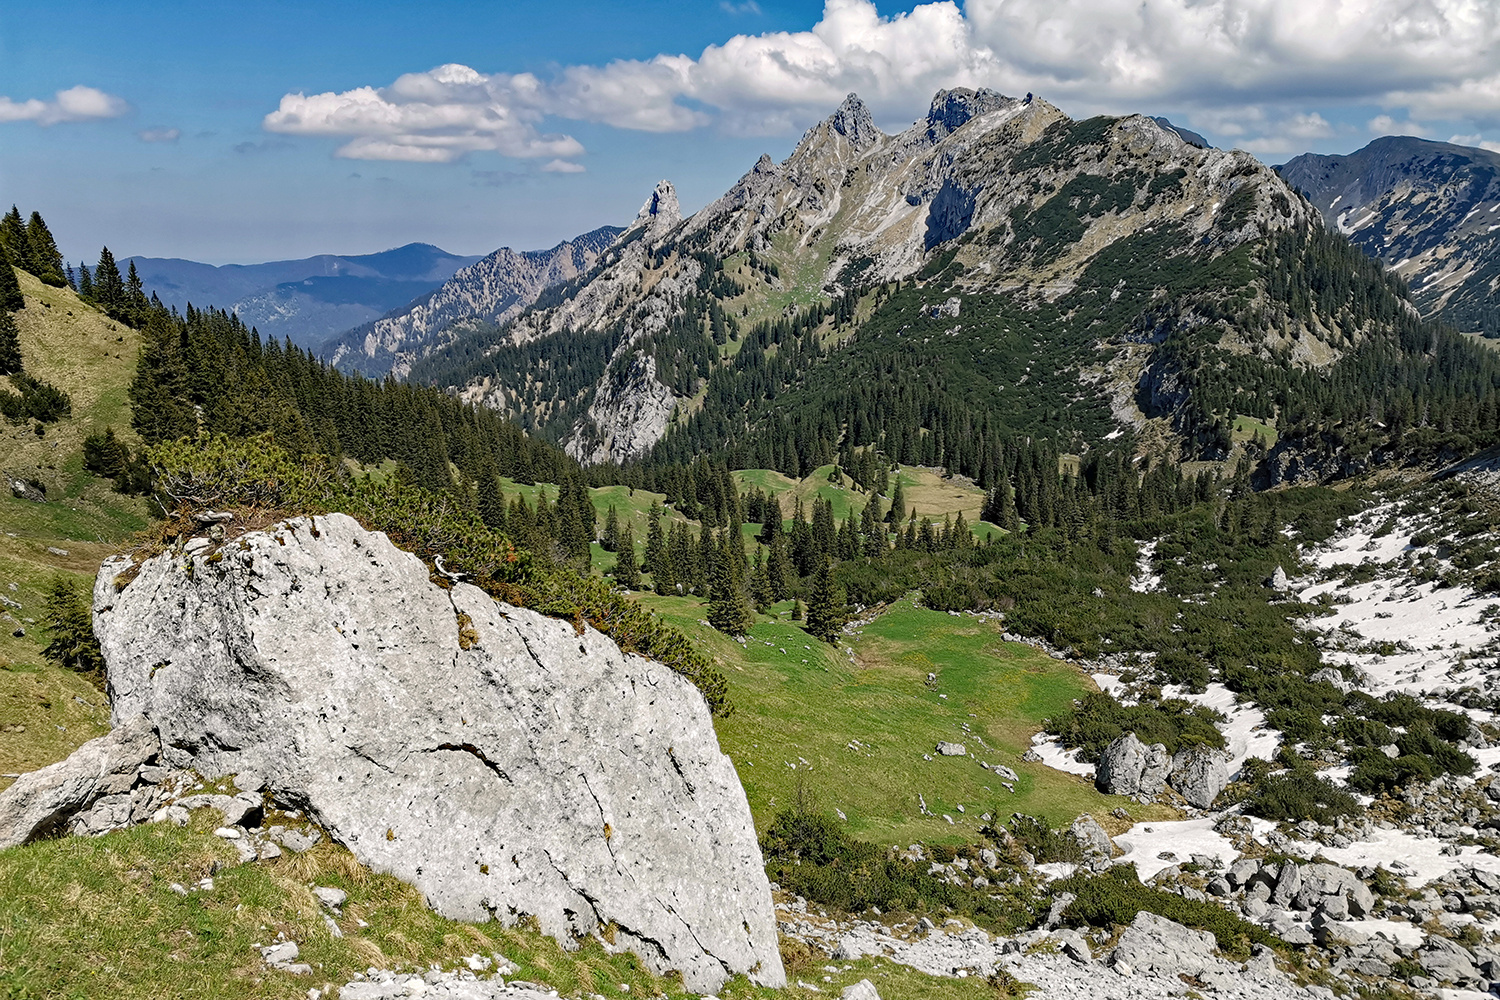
x: 159, y: 135
x: 737, y: 9
x: 76, y: 104
x: 1227, y: 59
x: 563, y: 167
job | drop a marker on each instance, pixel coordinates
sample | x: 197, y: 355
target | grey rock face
x: 1322, y: 884
x: 1092, y: 837
x: 100, y: 774
x: 661, y: 211
x: 1129, y: 767
x: 1199, y: 774
x: 539, y: 771
x: 1156, y: 944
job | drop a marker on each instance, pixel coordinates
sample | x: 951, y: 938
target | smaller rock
x: 331, y: 897
x: 951, y: 749
x: 228, y: 833
x: 862, y: 990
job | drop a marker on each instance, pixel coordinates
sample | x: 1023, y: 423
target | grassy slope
x: 96, y: 917
x: 90, y: 357
x: 799, y: 713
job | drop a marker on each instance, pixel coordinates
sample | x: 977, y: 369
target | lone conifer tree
x: 10, y: 289
x: 10, y: 342
x: 13, y: 238
x: 728, y: 611
x: 627, y: 571
x: 43, y: 259
x: 825, y: 605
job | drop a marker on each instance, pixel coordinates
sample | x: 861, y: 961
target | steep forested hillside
x: 1430, y: 211
x: 998, y: 273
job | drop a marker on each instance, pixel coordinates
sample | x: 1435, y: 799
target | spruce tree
x: 135, y: 295
x: 627, y: 571
x: 728, y: 611
x: 897, y: 513
x: 491, y: 501
x: 13, y: 238
x: 656, y: 541
x: 109, y: 287
x: 11, y: 298
x: 610, y: 540
x: 43, y: 259
x: 825, y: 605
x: 10, y: 342
x: 85, y: 283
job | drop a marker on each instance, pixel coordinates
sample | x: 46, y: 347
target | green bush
x: 809, y: 853
x: 1098, y: 720
x: 1300, y: 794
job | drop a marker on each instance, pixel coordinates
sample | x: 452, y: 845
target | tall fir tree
x: 610, y: 540
x: 825, y: 605
x: 10, y: 342
x: 627, y: 571
x: 13, y: 238
x: 135, y: 294
x: 728, y: 610
x: 11, y: 298
x: 109, y: 287
x: 43, y: 259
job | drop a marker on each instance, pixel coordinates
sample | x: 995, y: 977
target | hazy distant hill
x: 308, y: 300
x: 1429, y: 210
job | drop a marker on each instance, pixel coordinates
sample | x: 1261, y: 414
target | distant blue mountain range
x: 308, y: 300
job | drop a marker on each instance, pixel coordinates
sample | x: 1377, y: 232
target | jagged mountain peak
x: 661, y: 211
x: 854, y: 122
x: 953, y: 109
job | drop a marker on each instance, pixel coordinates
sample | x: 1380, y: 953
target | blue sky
x: 254, y: 131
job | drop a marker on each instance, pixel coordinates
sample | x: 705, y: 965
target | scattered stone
x: 951, y: 749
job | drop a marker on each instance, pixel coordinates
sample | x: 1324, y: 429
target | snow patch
x: 1145, y: 843
x: 1145, y: 581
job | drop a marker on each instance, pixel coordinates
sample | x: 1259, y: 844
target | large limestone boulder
x: 1153, y: 944
x: 1199, y: 774
x: 1129, y: 767
x: 1321, y: 884
x: 500, y: 761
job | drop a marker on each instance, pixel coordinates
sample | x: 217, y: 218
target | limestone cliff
x: 501, y: 761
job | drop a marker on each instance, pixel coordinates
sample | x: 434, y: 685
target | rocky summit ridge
x: 1023, y: 196
x: 489, y: 291
x: 1429, y: 210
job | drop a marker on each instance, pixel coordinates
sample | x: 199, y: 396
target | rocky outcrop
x: 1129, y: 767
x: 1154, y: 944
x: 91, y: 791
x: 660, y: 212
x: 504, y: 763
x: 1199, y: 774
x: 1092, y: 839
x: 629, y: 414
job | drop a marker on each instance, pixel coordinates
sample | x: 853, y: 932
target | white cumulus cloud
x: 1256, y: 66
x: 76, y: 104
